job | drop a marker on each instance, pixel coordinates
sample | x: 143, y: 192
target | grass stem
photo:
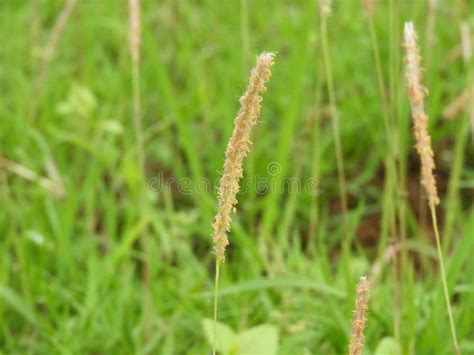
x: 134, y: 34
x: 216, y: 290
x: 334, y: 118
x: 443, y: 278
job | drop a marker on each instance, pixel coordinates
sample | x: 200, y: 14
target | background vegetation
x: 70, y: 261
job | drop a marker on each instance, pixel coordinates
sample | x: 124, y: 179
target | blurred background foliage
x: 70, y: 265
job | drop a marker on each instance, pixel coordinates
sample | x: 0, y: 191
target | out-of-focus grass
x: 70, y: 267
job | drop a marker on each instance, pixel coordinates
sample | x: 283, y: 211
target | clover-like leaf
x: 387, y: 346
x: 261, y: 340
x: 226, y: 337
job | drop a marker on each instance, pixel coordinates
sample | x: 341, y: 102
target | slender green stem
x: 334, y: 118
x: 347, y: 239
x: 443, y: 278
x: 216, y: 289
x: 140, y: 152
x: 380, y: 80
x: 316, y: 165
x: 452, y: 199
x: 137, y: 117
x: 397, y: 145
x: 400, y: 265
x: 390, y: 165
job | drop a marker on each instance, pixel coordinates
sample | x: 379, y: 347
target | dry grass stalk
x: 368, y: 7
x: 134, y: 29
x: 58, y: 29
x: 458, y: 104
x: 467, y: 43
x: 134, y: 41
x: 53, y: 185
x: 237, y: 149
x: 454, y: 54
x: 417, y: 93
x: 360, y: 317
x: 134, y: 44
x: 48, y: 53
x: 388, y: 256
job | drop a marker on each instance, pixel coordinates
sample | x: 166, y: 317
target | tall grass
x: 79, y: 272
x: 393, y: 185
x: 462, y: 111
x: 467, y: 42
x: 48, y: 52
x: 400, y: 264
x: 237, y: 150
x: 325, y: 12
x: 417, y: 93
x: 134, y: 45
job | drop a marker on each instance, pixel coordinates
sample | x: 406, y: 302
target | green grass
x: 70, y: 267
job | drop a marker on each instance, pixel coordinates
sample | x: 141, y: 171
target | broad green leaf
x: 259, y: 340
x: 225, y: 335
x: 387, y: 346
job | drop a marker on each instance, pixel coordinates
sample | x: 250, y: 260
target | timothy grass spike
x: 325, y: 7
x: 237, y: 150
x: 359, y: 320
x: 416, y: 94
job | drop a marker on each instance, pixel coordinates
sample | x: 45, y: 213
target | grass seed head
x: 237, y: 149
x: 134, y: 29
x: 359, y: 319
x: 416, y: 94
x: 325, y: 7
x: 368, y: 7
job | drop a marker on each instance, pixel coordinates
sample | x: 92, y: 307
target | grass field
x: 98, y: 258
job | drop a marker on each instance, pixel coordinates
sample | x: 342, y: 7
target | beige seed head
x: 325, y: 7
x: 416, y: 94
x: 359, y: 319
x: 134, y: 29
x: 368, y: 7
x: 237, y: 149
x: 466, y: 42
